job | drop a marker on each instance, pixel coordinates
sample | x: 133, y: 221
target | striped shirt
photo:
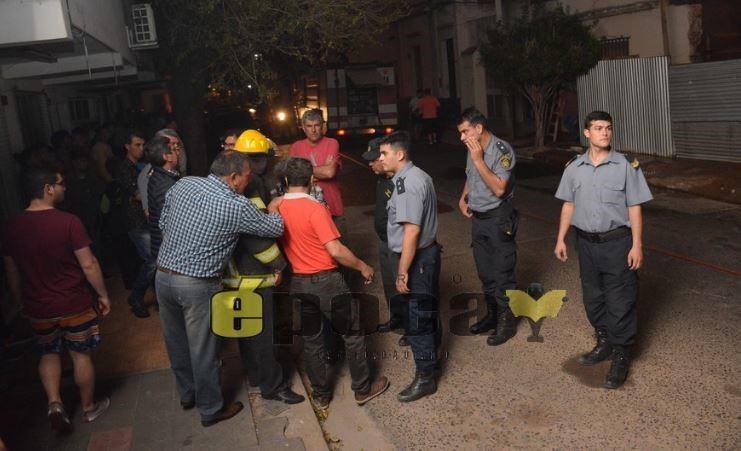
x: 201, y: 222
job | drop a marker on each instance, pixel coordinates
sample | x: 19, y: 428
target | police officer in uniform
x: 260, y: 257
x: 412, y: 230
x: 487, y: 200
x: 602, y: 192
x: 389, y: 265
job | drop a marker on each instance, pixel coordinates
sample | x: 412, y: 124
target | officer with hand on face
x: 487, y: 201
x: 602, y: 192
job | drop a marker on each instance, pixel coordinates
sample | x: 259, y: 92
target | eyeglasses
x: 62, y: 183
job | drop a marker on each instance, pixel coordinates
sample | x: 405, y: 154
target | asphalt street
x: 682, y: 393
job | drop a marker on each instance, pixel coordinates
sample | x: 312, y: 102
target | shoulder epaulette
x: 632, y: 161
x: 571, y: 160
x: 502, y: 148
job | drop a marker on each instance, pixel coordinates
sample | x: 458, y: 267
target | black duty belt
x: 604, y: 237
x: 316, y: 274
x: 503, y: 209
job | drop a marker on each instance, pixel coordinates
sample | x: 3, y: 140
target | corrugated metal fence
x: 706, y: 110
x: 636, y: 93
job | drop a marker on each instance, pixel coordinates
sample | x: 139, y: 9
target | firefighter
x: 261, y: 258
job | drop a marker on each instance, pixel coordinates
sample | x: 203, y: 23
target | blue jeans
x: 185, y: 313
x: 141, y: 239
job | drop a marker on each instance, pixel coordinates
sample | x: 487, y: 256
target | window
x: 615, y: 48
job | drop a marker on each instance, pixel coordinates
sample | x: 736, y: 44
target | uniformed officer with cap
x: 387, y: 260
x: 412, y: 231
x: 602, y: 192
x: 487, y: 200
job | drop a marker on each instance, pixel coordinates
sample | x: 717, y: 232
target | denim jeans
x: 325, y: 296
x: 141, y: 239
x: 185, y: 314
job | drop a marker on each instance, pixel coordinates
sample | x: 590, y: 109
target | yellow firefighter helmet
x: 253, y: 142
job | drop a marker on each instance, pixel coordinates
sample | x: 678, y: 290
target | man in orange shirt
x: 311, y: 243
x: 428, y: 106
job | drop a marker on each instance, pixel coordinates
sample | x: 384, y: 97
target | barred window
x: 615, y: 48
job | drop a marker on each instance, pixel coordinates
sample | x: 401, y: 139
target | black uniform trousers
x: 258, y: 353
x: 389, y: 263
x: 420, y: 308
x: 495, y: 251
x: 609, y: 288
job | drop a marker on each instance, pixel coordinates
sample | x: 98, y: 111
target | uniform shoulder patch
x: 633, y: 161
x: 400, y: 189
x: 505, y: 161
x: 571, y: 160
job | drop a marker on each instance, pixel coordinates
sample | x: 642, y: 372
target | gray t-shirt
x: 602, y: 194
x: 413, y: 201
x: 500, y: 158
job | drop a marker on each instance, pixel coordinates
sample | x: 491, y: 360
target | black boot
x: 392, y: 324
x: 601, y: 352
x: 619, y: 368
x: 506, y: 327
x: 489, y: 321
x: 423, y: 384
x: 138, y: 309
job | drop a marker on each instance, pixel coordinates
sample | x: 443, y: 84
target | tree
x: 538, y: 54
x: 233, y: 44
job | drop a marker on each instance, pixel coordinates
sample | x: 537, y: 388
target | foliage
x: 538, y: 54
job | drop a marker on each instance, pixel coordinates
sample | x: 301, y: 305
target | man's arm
x: 345, y: 257
x: 635, y: 256
x: 462, y: 204
x: 14, y: 279
x: 567, y: 211
x: 328, y: 169
x: 496, y: 184
x: 94, y: 275
x: 408, y: 251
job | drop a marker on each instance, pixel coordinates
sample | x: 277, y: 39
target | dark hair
x: 58, y: 137
x: 399, y: 140
x: 35, y: 179
x: 473, y: 116
x: 79, y: 131
x: 156, y: 149
x: 229, y: 162
x: 231, y: 132
x: 130, y: 134
x: 596, y: 116
x: 297, y: 171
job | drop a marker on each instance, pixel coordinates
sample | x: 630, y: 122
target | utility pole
x: 663, y: 8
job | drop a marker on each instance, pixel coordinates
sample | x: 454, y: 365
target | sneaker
x: 98, y: 409
x: 58, y: 418
x: 379, y: 386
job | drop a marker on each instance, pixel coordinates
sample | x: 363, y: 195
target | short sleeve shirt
x: 602, y: 194
x: 413, y: 201
x: 500, y: 158
x: 308, y: 227
x: 327, y: 149
x: 42, y: 244
x: 428, y: 106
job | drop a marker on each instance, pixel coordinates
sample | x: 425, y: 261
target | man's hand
x: 560, y: 251
x: 105, y: 305
x: 401, y: 283
x: 367, y: 272
x: 635, y: 258
x: 278, y: 277
x: 463, y: 206
x: 274, y: 204
x: 474, y: 147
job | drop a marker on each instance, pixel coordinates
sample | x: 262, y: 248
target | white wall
x: 105, y: 21
x: 23, y: 21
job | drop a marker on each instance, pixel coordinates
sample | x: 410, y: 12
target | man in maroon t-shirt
x: 51, y: 268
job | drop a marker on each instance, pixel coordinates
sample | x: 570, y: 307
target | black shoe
x: 139, y: 311
x: 601, y: 351
x: 403, y: 341
x: 424, y: 384
x: 224, y: 414
x: 286, y: 395
x: 187, y: 405
x: 488, y: 322
x: 392, y: 324
x: 506, y: 327
x: 618, y: 370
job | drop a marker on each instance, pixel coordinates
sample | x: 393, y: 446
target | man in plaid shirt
x: 201, y: 221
